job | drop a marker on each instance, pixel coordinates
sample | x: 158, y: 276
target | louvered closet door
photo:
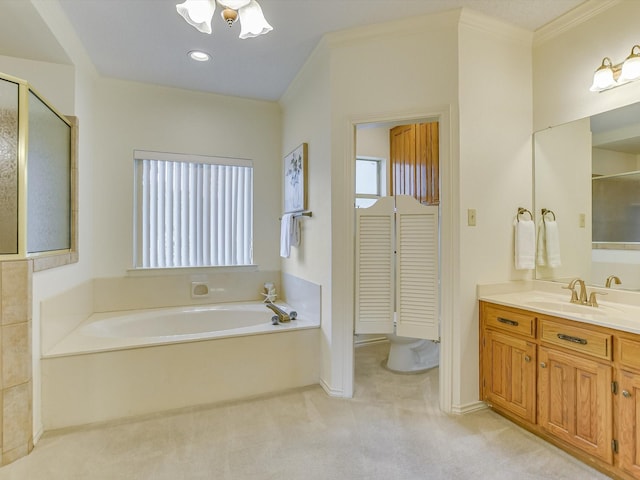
x: 374, y: 267
x: 417, y: 269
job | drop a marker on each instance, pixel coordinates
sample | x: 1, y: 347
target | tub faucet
x: 282, y: 316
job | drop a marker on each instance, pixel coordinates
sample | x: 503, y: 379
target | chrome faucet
x: 614, y: 279
x: 580, y: 298
x: 280, y: 315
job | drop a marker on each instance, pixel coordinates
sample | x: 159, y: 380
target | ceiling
x: 147, y: 41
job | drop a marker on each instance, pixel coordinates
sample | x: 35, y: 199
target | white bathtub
x: 137, y: 328
x: 120, y: 364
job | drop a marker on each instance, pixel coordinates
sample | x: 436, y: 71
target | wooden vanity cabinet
x: 627, y: 356
x: 509, y: 361
x: 558, y: 378
x: 575, y: 401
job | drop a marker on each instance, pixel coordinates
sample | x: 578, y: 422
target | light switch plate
x: 471, y: 217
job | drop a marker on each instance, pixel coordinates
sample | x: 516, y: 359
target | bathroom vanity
x: 568, y: 373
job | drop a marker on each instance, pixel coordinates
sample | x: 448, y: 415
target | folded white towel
x: 541, y: 253
x: 525, y: 244
x: 289, y: 234
x: 286, y: 226
x: 552, y: 243
x: 548, y: 244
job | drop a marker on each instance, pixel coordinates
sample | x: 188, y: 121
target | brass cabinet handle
x: 527, y: 358
x: 569, y: 338
x: 543, y: 365
x: 626, y: 394
x: 506, y: 321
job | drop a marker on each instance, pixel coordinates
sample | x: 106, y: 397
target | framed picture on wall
x: 295, y: 180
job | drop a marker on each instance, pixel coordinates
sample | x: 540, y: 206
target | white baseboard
x: 468, y: 408
x: 369, y: 341
x: 38, y: 434
x: 332, y: 392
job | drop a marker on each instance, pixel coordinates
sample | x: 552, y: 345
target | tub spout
x: 283, y: 317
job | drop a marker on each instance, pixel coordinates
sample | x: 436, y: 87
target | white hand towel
x: 541, y: 258
x: 286, y: 228
x: 294, y: 234
x: 552, y: 243
x: 525, y: 244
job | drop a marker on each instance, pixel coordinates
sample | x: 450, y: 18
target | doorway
x: 397, y: 157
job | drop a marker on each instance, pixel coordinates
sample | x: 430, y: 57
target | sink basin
x: 566, y: 307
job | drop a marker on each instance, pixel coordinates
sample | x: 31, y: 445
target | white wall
x: 306, y: 118
x: 495, y: 174
x: 395, y: 71
x: 130, y: 116
x: 568, y: 51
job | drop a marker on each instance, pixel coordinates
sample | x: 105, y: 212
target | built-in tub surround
x: 107, y: 368
x: 127, y: 329
x: 61, y: 314
x: 16, y: 384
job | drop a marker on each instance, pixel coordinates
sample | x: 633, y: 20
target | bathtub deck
x: 78, y: 343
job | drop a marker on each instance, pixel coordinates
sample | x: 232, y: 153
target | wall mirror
x: 587, y: 172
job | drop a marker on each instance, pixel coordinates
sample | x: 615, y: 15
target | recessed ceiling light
x: 199, y: 55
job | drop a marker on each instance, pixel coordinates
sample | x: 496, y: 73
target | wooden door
x: 628, y: 421
x: 575, y: 401
x: 427, y: 165
x: 414, y: 159
x: 403, y: 160
x: 509, y: 369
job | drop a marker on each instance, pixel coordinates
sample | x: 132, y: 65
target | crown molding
x: 572, y: 19
x: 498, y: 28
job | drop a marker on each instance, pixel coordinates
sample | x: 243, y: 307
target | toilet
x: 411, y: 355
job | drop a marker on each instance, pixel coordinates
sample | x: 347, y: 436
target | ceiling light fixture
x: 199, y: 56
x: 609, y: 76
x: 199, y: 13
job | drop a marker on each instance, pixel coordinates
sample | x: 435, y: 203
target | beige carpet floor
x: 391, y: 430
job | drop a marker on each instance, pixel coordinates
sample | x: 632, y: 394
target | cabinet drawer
x: 515, y: 322
x: 629, y: 352
x: 577, y: 339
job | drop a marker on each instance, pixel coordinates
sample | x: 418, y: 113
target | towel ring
x: 544, y: 213
x: 522, y: 211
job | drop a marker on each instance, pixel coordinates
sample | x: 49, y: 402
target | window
x: 368, y: 181
x: 616, y: 210
x: 192, y: 211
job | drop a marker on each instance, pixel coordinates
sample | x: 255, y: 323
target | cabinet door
x: 509, y: 369
x: 575, y: 401
x: 628, y: 434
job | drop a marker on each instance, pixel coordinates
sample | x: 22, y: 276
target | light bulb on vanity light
x: 631, y: 66
x: 603, y: 77
x: 609, y: 75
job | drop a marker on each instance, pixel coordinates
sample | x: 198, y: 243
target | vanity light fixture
x: 199, y: 13
x: 609, y: 75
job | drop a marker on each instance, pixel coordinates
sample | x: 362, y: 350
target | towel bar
x: 522, y: 211
x: 544, y: 213
x: 300, y: 214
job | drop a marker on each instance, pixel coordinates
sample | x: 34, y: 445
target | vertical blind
x: 193, y: 213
